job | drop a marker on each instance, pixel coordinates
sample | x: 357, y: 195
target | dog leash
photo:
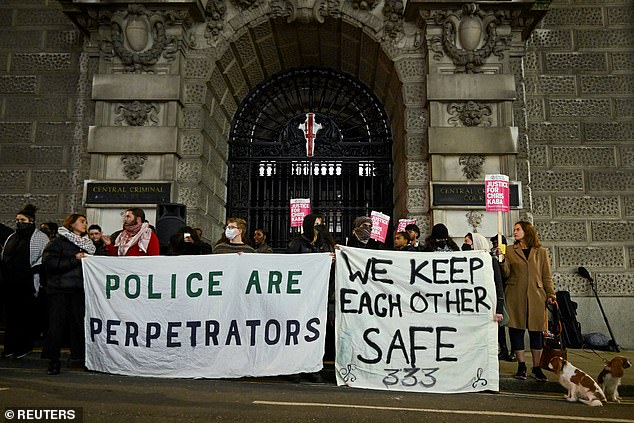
x: 585, y: 350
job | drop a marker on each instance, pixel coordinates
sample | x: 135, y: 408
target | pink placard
x: 496, y: 193
x: 300, y: 208
x: 380, y: 222
x: 402, y: 223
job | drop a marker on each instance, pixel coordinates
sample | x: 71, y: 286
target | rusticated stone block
x: 417, y: 199
x: 18, y: 84
x: 620, y: 15
x: 573, y: 283
x: 415, y: 119
x: 576, y: 62
x: 59, y: 84
x: 417, y: 171
x: 64, y: 40
x: 416, y: 145
x: 609, y: 131
x: 615, y: 284
x: 190, y: 143
x: 610, y: 181
x: 51, y: 180
x: 544, y: 84
x: 411, y: 69
x: 39, y: 17
x: 535, y: 109
x: 608, y: 84
x: 629, y: 205
x: 539, y: 155
x: 541, y: 206
x: 587, y: 206
x: 583, y: 156
x: 604, y: 257
x: 15, y: 132
x: 54, y: 133
x: 624, y: 107
x: 12, y: 203
x: 627, y: 156
x: 586, y: 16
x: 604, y: 38
x: 557, y: 181
x: 20, y: 40
x: 576, y: 107
x: 197, y: 67
x: 612, y: 231
x: 623, y: 61
x: 190, y: 196
x: 194, y: 92
x: 26, y: 107
x: 13, y: 179
x: 546, y: 131
x: 43, y: 62
x: 562, y: 231
x: 192, y: 117
x: 21, y: 154
x: 551, y: 38
x: 189, y: 170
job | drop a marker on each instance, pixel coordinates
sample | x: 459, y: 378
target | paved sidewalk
x: 586, y: 360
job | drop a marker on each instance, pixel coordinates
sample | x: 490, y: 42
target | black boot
x: 53, y: 367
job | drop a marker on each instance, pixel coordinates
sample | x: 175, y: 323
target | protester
x: 65, y: 289
x: 234, y: 230
x: 49, y: 229
x: 186, y: 242
x: 480, y: 243
x: 259, y: 241
x: 96, y: 235
x: 414, y: 235
x: 136, y: 238
x: 439, y: 240
x: 21, y: 262
x: 360, y: 237
x: 467, y: 245
x: 402, y: 242
x: 529, y: 286
x: 504, y: 353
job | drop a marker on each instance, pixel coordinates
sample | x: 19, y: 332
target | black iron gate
x: 349, y: 172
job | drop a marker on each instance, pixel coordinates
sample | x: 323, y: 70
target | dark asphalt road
x: 110, y: 398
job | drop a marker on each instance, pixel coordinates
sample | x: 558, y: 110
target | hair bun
x: 28, y: 211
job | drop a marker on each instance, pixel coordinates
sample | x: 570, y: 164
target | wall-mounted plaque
x: 125, y: 193
x: 468, y: 195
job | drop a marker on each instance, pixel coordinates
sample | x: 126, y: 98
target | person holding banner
x: 361, y: 232
x: 439, y: 240
x: 402, y: 242
x: 529, y: 285
x: 65, y: 289
x: 414, y: 234
x: 136, y: 238
x: 234, y: 230
x: 259, y: 241
x: 480, y: 243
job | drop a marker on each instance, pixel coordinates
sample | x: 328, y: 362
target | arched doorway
x: 349, y: 172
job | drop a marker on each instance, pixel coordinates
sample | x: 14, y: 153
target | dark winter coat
x: 62, y: 268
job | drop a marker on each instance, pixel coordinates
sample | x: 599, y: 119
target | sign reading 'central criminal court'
x: 468, y: 195
x: 127, y: 192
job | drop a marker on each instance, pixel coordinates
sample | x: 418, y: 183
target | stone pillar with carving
x: 137, y: 92
x: 471, y: 89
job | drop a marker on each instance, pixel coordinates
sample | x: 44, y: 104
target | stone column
x: 471, y: 89
x: 137, y: 91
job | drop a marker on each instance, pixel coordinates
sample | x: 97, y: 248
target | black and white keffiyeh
x: 83, y: 242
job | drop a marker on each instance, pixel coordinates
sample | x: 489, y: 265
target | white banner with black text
x: 213, y: 316
x: 419, y: 322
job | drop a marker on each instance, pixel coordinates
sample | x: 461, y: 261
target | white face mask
x: 231, y: 233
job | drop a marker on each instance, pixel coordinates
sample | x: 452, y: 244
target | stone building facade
x: 148, y: 91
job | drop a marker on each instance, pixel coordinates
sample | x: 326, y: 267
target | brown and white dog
x: 580, y: 386
x: 610, y: 377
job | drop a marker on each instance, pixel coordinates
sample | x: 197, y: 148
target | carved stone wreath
x: 474, y: 219
x: 393, y: 17
x: 215, y: 11
x: 133, y: 165
x: 139, y: 38
x: 468, y: 37
x: 471, y: 166
x: 470, y: 113
x: 137, y: 114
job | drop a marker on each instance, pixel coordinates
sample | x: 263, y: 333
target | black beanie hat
x: 439, y: 231
x: 28, y: 211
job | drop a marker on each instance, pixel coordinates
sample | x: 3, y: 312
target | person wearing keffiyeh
x: 136, y: 238
x: 360, y: 237
x: 20, y: 264
x: 65, y: 289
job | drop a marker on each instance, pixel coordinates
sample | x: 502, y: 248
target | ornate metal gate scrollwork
x: 350, y: 170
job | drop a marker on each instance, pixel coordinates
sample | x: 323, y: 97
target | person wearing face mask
x: 467, y: 245
x: 360, y: 237
x: 234, y: 231
x: 62, y: 261
x: 21, y: 263
x: 136, y: 238
x: 439, y: 240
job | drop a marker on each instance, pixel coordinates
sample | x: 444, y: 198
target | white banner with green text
x: 419, y: 322
x: 213, y: 316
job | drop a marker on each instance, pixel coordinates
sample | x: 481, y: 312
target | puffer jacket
x: 62, y: 268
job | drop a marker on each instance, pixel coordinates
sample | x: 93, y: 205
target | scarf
x: 362, y: 234
x: 134, y: 234
x: 83, y: 242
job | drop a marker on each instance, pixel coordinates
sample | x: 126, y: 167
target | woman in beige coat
x: 529, y: 285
